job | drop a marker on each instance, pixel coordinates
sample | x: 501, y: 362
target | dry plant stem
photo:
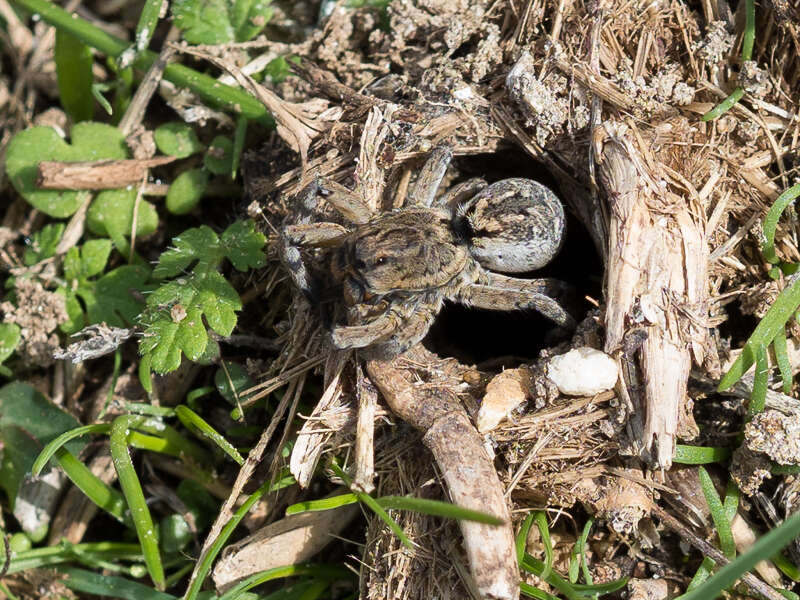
x: 96, y: 175
x: 470, y: 475
x: 655, y: 268
x: 135, y: 113
x: 245, y: 473
x: 291, y: 540
x: 364, y: 473
x: 755, y: 585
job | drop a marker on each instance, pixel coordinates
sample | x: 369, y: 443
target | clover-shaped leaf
x: 219, y: 158
x: 220, y: 21
x: 43, y: 243
x: 89, y: 141
x: 9, y: 338
x: 174, y: 318
x: 242, y: 245
x: 111, y: 214
x: 185, y: 192
x: 177, y: 139
x: 113, y: 298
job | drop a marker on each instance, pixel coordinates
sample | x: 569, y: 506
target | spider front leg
x: 509, y: 293
x: 430, y: 177
x: 391, y: 332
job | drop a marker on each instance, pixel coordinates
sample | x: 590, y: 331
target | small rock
x: 504, y: 393
x: 583, y: 372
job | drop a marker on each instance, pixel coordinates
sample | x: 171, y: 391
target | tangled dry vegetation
x: 608, y: 97
x: 605, y: 98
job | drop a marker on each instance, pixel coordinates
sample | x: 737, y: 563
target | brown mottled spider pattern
x: 383, y: 278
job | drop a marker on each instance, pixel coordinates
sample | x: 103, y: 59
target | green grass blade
x: 544, y: 531
x: 370, y: 502
x: 52, y: 555
x: 749, y: 30
x: 535, y: 566
x: 73, y: 61
x: 195, y: 423
x: 50, y: 449
x: 533, y: 592
x: 700, y: 455
x: 109, y: 586
x: 205, y: 566
x: 208, y: 88
x: 322, y: 504
x: 521, y: 541
x: 781, y: 203
x: 148, y: 20
x: 724, y: 106
x: 721, y: 522
x: 581, y: 547
x: 731, y: 502
x: 779, y: 313
x: 107, y: 498
x: 758, y: 398
x: 782, y: 359
x: 437, y: 508
x: 319, y: 571
x: 763, y: 549
x: 132, y: 490
x: 177, y: 443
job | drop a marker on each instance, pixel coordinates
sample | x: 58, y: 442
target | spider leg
x: 391, y: 332
x: 461, y: 192
x: 508, y: 293
x: 346, y: 203
x: 320, y: 235
x: 430, y: 177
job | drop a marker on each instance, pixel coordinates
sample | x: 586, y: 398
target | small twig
x: 97, y: 174
x: 751, y: 581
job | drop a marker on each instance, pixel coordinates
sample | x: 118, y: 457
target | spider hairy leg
x: 321, y: 235
x: 461, y: 192
x: 345, y: 202
x: 493, y: 297
x: 430, y: 177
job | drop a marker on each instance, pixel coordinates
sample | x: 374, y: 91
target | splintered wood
x: 655, y: 285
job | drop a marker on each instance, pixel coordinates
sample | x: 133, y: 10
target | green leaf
x: 28, y: 421
x: 219, y: 158
x: 722, y: 523
x: 185, y: 192
x: 242, y: 245
x: 232, y: 373
x: 197, y: 244
x: 74, y: 73
x: 9, y: 338
x: 90, y: 141
x: 117, y: 304
x: 109, y: 586
x: 94, y: 256
x: 700, y: 455
x: 111, y: 214
x: 220, y: 21
x: 43, y: 243
x: 177, y: 139
x: 770, y: 326
x: 203, y: 21
x: 249, y: 17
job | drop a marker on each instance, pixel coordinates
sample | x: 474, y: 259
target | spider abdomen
x: 514, y: 225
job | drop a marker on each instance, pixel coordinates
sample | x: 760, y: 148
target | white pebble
x: 583, y: 372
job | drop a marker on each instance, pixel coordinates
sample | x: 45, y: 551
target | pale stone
x: 583, y: 372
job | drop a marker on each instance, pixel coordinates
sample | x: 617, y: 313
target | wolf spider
x: 385, y: 278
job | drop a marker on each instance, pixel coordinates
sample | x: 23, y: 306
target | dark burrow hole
x: 738, y: 326
x: 477, y: 336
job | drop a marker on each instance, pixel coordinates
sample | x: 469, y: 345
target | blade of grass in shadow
x: 763, y: 549
x: 533, y: 592
x: 781, y: 203
x: 521, y: 541
x: 52, y: 555
x: 758, y: 397
x: 204, y: 567
x: 779, y: 346
x: 51, y: 448
x: 132, y: 490
x: 721, y: 522
x: 208, y: 88
x: 544, y: 532
x: 747, y: 53
x: 104, y: 496
x: 196, y: 424
x: 779, y: 313
x: 319, y: 571
x: 702, y: 574
x: 110, y: 586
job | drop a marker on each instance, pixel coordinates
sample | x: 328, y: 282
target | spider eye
x: 360, y: 264
x: 380, y: 260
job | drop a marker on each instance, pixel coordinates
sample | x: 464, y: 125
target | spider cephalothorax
x: 388, y: 275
